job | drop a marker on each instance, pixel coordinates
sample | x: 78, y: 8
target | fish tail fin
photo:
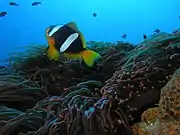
x: 52, y: 54
x: 89, y: 57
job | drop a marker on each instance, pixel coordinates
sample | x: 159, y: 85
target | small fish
x: 157, y: 31
x: 2, y: 14
x: 179, y: 17
x: 67, y: 39
x: 94, y: 14
x: 36, y: 3
x: 144, y: 36
x: 13, y: 4
x: 176, y: 31
x: 124, y: 36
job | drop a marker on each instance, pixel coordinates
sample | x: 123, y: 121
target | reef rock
x: 164, y: 119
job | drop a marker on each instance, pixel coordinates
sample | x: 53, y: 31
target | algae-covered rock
x: 157, y: 128
x: 170, y: 97
x: 167, y: 113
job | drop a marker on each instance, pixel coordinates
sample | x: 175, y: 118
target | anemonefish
x: 67, y: 39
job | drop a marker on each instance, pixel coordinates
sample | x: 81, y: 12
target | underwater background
x: 26, y: 24
x: 123, y: 79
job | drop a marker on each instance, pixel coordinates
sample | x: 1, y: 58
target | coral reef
x: 143, y: 72
x: 43, y: 97
x: 164, y: 119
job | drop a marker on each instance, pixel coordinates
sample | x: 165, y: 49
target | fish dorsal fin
x: 73, y: 26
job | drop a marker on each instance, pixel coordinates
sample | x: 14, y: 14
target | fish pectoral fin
x: 90, y: 57
x: 53, y: 54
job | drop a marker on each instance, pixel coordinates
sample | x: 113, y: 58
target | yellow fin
x: 52, y: 54
x: 73, y: 26
x: 51, y: 41
x: 89, y: 57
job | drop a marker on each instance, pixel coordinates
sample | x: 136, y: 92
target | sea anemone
x: 68, y: 98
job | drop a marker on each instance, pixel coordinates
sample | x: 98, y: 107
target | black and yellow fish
x: 67, y: 39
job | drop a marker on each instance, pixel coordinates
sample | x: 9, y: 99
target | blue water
x: 26, y: 24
